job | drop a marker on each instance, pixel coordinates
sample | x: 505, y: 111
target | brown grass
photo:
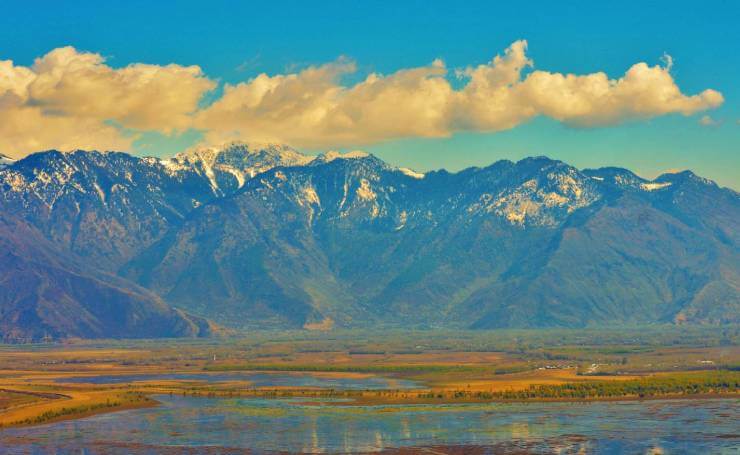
x: 33, y: 371
x: 521, y: 381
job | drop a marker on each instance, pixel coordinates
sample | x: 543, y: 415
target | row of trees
x: 709, y: 382
x: 688, y: 384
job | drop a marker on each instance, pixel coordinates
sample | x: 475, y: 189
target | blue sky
x: 234, y: 42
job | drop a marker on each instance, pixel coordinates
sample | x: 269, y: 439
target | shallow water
x: 265, y: 426
x: 257, y: 380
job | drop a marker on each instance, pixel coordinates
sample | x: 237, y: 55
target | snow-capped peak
x: 234, y: 163
x: 653, y: 186
x: 333, y: 155
x: 411, y: 173
x: 241, y: 151
x: 675, y: 176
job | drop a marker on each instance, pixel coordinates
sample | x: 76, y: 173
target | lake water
x: 258, y: 380
x: 202, y: 425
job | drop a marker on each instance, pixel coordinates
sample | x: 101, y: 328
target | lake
x: 260, y: 379
x: 201, y: 425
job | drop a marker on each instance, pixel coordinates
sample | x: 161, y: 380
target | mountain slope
x: 263, y: 236
x: 109, y: 206
x: 103, y: 206
x: 527, y: 244
x: 628, y: 262
x: 49, y: 294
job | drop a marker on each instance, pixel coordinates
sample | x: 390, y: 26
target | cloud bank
x: 71, y: 99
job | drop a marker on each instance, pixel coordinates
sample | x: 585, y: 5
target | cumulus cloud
x: 69, y: 98
x: 706, y: 120
x: 312, y: 108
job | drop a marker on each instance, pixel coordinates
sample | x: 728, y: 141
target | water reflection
x: 267, y: 426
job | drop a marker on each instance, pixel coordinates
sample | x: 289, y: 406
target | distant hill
x: 263, y: 236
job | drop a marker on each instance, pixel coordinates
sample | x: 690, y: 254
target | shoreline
x: 375, y: 398
x: 26, y: 417
x: 151, y: 402
x: 59, y: 401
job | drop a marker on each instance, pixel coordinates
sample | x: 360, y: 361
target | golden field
x: 447, y: 367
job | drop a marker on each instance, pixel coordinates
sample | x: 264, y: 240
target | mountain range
x: 261, y: 236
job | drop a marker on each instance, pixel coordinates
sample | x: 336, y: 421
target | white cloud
x: 707, y: 121
x: 313, y: 109
x: 68, y: 99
